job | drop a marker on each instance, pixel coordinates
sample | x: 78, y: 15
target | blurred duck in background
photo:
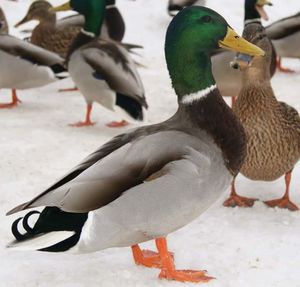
x: 176, y: 5
x: 272, y: 127
x: 3, y: 23
x: 103, y: 70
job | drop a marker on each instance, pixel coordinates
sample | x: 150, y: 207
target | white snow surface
x: 257, y: 246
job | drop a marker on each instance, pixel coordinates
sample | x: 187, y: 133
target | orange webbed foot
x: 147, y: 258
x: 68, y: 90
x: 83, y: 124
x: 286, y: 70
x: 9, y: 105
x: 282, y: 203
x: 120, y: 124
x: 185, y: 275
x: 241, y: 201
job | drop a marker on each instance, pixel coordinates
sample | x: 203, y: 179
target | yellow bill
x: 233, y: 41
x: 63, y: 7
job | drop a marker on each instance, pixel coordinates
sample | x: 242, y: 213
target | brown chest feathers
x: 272, y: 131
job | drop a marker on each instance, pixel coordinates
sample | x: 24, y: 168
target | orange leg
x: 147, y: 258
x: 68, y: 90
x: 168, y: 270
x: 281, y: 69
x: 237, y: 200
x: 87, y: 121
x: 233, y: 100
x: 120, y: 124
x: 14, y: 101
x: 284, y: 202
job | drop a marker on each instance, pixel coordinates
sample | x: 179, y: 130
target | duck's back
x: 272, y: 130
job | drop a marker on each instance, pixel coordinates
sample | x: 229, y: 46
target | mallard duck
x: 272, y: 127
x: 3, y: 23
x: 57, y: 36
x: 229, y: 79
x: 103, y: 71
x: 124, y: 194
x: 26, y: 66
x: 285, y: 36
x: 176, y: 5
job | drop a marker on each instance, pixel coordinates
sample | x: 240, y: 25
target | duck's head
x: 254, y: 10
x: 92, y: 10
x: 260, y: 66
x: 38, y: 10
x: 191, y: 36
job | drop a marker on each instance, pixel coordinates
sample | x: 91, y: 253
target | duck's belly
x: 227, y: 78
x: 141, y: 215
x: 270, y: 153
x: 16, y: 73
x: 289, y: 46
x: 92, y: 87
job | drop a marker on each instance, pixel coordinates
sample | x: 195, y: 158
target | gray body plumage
x: 24, y: 65
x: 105, y: 69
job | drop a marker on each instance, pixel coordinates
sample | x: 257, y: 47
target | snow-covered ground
x: 257, y: 247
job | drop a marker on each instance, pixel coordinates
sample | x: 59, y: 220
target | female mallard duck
x: 103, y: 70
x: 285, y: 36
x: 57, y: 36
x: 26, y: 66
x: 3, y: 23
x: 229, y: 79
x: 176, y: 5
x: 272, y: 127
x: 124, y: 194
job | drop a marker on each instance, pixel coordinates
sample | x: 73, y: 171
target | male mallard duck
x: 272, y: 127
x: 176, y: 5
x: 124, y: 194
x: 285, y: 36
x: 57, y: 36
x: 103, y: 70
x: 26, y: 66
x: 229, y: 79
x: 3, y: 23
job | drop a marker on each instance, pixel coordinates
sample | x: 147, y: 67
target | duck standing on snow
x: 229, y: 79
x: 26, y: 66
x: 103, y: 69
x: 285, y: 36
x: 176, y: 5
x: 57, y: 36
x: 151, y: 181
x: 272, y: 127
x: 3, y: 23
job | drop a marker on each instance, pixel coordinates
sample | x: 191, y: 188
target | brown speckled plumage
x: 46, y: 34
x: 3, y: 23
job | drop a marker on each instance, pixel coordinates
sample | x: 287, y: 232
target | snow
x: 258, y: 246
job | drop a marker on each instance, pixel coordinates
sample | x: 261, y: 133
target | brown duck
x: 272, y: 127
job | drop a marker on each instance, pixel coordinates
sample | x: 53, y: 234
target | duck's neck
x: 92, y: 27
x: 201, y: 105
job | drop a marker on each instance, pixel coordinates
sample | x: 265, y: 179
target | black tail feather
x: 51, y: 219
x: 131, y: 106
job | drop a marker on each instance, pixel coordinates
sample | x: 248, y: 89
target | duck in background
x: 272, y: 127
x: 285, y: 36
x: 57, y: 36
x: 3, y: 23
x: 177, y: 5
x: 102, y: 69
x: 26, y: 66
x: 124, y: 194
x: 228, y: 78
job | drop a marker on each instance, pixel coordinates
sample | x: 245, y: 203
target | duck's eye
x: 206, y: 19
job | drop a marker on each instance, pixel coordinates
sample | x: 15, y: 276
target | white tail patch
x: 42, y: 241
x: 189, y: 99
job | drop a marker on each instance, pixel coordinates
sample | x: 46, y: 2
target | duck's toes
x: 120, y: 124
x: 285, y: 70
x: 241, y: 201
x: 9, y: 105
x: 82, y: 124
x: 148, y: 258
x: 68, y: 90
x: 185, y: 275
x: 282, y: 203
